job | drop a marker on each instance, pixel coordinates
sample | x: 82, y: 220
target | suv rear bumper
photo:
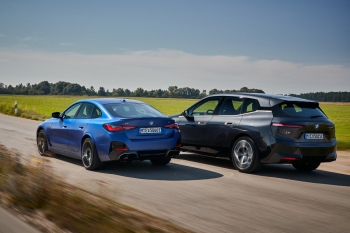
x: 289, y: 152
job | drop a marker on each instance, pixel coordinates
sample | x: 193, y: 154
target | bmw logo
x: 151, y: 123
x: 317, y: 126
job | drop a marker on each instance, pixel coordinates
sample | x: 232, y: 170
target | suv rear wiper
x: 316, y: 116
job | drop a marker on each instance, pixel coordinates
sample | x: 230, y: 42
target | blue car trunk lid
x: 148, y: 128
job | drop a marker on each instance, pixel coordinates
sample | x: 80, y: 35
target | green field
x: 339, y: 113
x: 41, y: 107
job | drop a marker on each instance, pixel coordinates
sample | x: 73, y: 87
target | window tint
x: 206, y: 107
x: 86, y: 111
x: 231, y: 106
x: 298, y: 109
x: 250, y: 105
x: 71, y: 112
x: 96, y: 113
x: 131, y: 110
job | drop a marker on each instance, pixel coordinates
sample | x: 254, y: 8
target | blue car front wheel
x: 89, y: 156
x: 42, y: 142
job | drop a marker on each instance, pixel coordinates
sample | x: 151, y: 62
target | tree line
x: 66, y: 88
x: 325, y: 96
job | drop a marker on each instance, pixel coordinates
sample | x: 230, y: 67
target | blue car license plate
x: 151, y: 130
x: 314, y: 136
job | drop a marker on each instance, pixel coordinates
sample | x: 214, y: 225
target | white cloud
x: 65, y: 44
x: 29, y: 39
x: 164, y: 68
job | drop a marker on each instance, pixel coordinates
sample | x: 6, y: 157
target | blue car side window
x: 85, y: 111
x: 72, y: 111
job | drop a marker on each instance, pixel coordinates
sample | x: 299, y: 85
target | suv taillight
x: 172, y: 126
x: 287, y: 125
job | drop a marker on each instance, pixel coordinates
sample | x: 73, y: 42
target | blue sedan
x: 107, y: 129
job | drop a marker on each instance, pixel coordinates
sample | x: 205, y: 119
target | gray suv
x: 256, y: 129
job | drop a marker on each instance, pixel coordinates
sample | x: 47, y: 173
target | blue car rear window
x: 132, y: 110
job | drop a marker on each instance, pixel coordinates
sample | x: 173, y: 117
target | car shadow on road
x: 170, y: 172
x: 282, y: 171
x: 145, y: 170
x: 286, y: 171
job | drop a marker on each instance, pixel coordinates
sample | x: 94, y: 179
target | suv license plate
x: 314, y: 136
x: 151, y: 130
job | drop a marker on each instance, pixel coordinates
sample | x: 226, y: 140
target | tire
x: 306, y: 166
x: 161, y: 161
x: 244, y: 155
x: 41, y: 143
x: 89, y: 156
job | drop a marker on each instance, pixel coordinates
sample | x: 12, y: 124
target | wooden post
x: 16, y: 109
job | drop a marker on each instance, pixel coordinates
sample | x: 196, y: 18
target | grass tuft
x: 34, y: 188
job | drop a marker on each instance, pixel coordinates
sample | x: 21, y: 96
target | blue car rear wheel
x: 89, y: 156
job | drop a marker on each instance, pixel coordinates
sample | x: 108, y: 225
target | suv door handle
x: 228, y: 123
x: 201, y: 122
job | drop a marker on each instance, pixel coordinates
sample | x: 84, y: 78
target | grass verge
x: 33, y: 190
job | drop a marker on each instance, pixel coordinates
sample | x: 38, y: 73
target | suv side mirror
x: 56, y: 114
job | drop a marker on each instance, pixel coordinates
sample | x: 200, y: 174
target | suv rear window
x: 297, y: 109
x: 132, y: 110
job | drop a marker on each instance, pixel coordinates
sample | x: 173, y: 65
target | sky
x: 280, y: 47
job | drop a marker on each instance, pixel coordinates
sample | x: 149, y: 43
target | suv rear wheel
x: 306, y: 166
x: 244, y: 155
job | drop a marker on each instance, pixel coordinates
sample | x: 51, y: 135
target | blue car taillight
x: 117, y: 128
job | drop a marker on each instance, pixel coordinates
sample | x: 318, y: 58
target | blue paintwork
x: 65, y: 135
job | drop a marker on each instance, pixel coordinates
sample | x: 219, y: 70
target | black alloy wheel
x: 89, y: 156
x: 244, y: 155
x: 42, y: 142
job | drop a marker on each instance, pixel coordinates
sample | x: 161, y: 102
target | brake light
x: 288, y: 159
x: 172, y: 126
x: 287, y: 125
x: 117, y: 128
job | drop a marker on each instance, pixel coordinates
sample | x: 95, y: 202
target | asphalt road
x: 9, y: 223
x: 206, y: 194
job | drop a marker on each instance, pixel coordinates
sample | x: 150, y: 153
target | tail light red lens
x: 288, y: 159
x: 117, y: 128
x: 172, y: 126
x: 287, y: 125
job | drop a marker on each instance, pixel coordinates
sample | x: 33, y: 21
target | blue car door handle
x: 64, y: 126
x: 81, y: 127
